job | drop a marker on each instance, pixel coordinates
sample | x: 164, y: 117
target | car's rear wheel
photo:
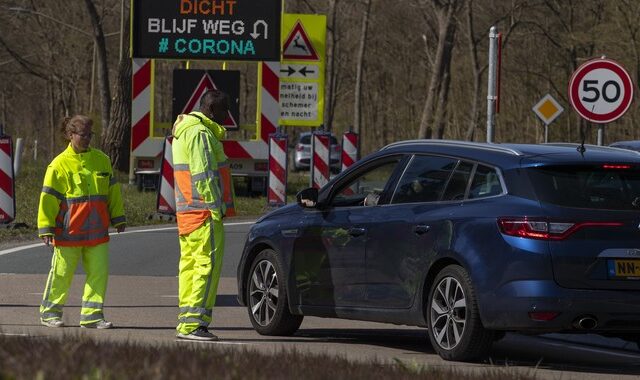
x: 455, y: 329
x: 267, y: 297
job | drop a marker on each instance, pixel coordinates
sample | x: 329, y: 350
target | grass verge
x: 85, y: 358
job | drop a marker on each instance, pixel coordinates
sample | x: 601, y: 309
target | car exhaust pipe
x: 585, y: 322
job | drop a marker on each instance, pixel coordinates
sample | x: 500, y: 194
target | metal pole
x: 491, y: 87
x: 17, y: 156
x: 546, y: 133
x: 121, y: 29
x: 600, y: 134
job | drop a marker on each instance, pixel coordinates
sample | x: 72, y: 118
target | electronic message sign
x: 236, y: 30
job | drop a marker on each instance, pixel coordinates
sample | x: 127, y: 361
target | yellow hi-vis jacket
x: 79, y: 199
x: 201, y: 173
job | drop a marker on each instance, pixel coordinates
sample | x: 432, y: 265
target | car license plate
x: 624, y: 269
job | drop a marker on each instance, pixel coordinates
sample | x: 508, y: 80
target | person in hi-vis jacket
x: 80, y: 198
x: 204, y: 195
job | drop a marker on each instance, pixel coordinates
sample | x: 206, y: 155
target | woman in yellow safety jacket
x: 80, y: 198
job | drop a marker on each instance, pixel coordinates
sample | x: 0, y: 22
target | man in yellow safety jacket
x: 204, y: 195
x: 80, y: 198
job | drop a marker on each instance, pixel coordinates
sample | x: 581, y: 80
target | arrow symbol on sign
x: 290, y: 71
x: 255, y: 33
x: 304, y: 71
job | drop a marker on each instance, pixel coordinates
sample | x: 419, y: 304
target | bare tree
x: 103, y: 68
x: 445, y: 13
x: 357, y: 109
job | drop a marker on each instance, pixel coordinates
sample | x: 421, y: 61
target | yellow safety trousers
x: 95, y: 261
x: 201, y: 253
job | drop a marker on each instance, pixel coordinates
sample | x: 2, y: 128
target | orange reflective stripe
x: 189, y: 221
x: 227, y: 190
x: 182, y: 180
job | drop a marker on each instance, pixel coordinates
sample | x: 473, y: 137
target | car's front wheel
x: 267, y: 297
x: 455, y: 329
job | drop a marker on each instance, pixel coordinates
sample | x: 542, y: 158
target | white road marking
x: 29, y: 246
x: 13, y: 334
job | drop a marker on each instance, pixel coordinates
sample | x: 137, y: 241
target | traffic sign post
x: 601, y: 91
x: 547, y: 109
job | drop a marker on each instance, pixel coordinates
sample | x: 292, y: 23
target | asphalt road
x: 142, y: 298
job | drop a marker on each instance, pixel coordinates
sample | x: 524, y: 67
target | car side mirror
x: 308, y: 197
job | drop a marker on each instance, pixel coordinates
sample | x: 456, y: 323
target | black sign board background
x: 166, y: 41
x: 185, y: 83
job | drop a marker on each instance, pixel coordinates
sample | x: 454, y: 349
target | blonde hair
x: 69, y: 125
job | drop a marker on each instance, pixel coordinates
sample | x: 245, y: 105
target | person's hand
x: 120, y: 228
x: 47, y: 240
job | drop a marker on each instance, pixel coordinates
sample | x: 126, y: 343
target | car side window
x: 457, y: 186
x: 486, y: 183
x: 366, y: 188
x: 424, y: 179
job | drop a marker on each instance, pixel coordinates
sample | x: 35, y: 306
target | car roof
x: 516, y: 155
x: 631, y: 144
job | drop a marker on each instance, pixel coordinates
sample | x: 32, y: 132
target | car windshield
x: 610, y: 187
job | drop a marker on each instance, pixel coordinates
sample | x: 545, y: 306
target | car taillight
x: 544, y: 229
x: 616, y: 166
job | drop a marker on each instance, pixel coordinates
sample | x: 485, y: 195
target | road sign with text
x: 601, y: 90
x: 214, y: 30
x: 302, y: 70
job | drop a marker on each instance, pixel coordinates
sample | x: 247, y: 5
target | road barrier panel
x: 278, y: 164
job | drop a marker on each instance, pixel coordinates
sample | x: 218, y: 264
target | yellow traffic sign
x: 548, y: 109
x: 302, y: 70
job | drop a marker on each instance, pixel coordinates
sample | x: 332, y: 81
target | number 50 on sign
x: 600, y: 90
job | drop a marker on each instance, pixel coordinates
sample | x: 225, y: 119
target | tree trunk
x: 116, y: 139
x: 103, y: 69
x: 477, y: 76
x: 446, y: 36
x: 357, y: 108
x: 330, y: 70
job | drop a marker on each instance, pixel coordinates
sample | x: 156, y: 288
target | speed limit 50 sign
x: 600, y: 90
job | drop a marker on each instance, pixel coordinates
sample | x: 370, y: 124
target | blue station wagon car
x: 466, y: 239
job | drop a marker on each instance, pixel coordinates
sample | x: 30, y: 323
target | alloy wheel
x: 263, y: 292
x: 448, y: 311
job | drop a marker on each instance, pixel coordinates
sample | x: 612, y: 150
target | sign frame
x: 247, y: 30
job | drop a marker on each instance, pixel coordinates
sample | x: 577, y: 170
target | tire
x: 267, y: 302
x: 455, y: 329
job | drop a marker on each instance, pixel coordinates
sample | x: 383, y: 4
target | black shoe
x: 201, y: 333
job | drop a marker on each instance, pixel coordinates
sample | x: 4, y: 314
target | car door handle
x: 357, y: 231
x: 421, y: 229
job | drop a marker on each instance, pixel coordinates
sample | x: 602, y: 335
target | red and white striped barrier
x: 166, y: 201
x: 349, y: 149
x: 277, y: 194
x: 142, y: 145
x: 7, y: 185
x: 269, y: 108
x: 320, y: 156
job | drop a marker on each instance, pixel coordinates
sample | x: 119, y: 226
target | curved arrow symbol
x: 255, y: 33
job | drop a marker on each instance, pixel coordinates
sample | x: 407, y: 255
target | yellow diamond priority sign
x: 548, y: 109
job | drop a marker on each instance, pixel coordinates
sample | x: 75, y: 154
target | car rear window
x: 602, y: 186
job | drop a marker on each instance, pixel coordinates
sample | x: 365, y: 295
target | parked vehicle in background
x: 630, y: 145
x: 302, y: 153
x: 467, y: 239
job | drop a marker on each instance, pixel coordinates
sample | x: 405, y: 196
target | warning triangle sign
x: 298, y: 46
x: 206, y: 84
